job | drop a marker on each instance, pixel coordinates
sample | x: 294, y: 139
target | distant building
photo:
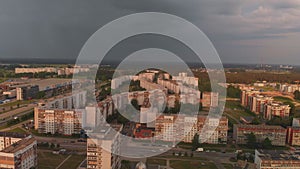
x: 276, y: 134
x: 296, y: 122
x: 27, y: 92
x: 210, y: 99
x: 36, y: 70
x: 289, y: 88
x: 258, y: 102
x: 293, y: 136
x: 70, y: 101
x: 276, y: 109
x: 185, y: 79
x: 276, y: 159
x: 245, y: 97
x: 103, y: 148
x: 183, y: 128
x: 216, y: 136
x: 60, y: 121
x: 21, y: 154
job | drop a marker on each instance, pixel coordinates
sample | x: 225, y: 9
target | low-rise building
x: 276, y: 159
x: 276, y: 134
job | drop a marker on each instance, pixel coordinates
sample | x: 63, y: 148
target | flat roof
x: 258, y: 126
x: 278, y: 155
x: 19, y: 145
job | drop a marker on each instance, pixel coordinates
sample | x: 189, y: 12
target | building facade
x: 103, y: 148
x: 276, y: 134
x: 27, y: 92
x: 270, y: 159
x: 293, y: 136
x: 58, y: 121
x: 19, y: 155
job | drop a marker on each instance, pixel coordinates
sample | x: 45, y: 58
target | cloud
x: 59, y: 28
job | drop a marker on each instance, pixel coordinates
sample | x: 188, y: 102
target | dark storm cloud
x: 239, y: 29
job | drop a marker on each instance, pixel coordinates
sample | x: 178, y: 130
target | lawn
x: 47, y: 160
x: 192, y: 164
x: 236, y: 110
x: 73, y: 162
x: 282, y: 99
x: 17, y: 130
x: 156, y: 161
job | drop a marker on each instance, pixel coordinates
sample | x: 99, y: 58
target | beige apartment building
x: 60, y: 121
x: 19, y: 153
x: 276, y: 134
x: 103, y: 148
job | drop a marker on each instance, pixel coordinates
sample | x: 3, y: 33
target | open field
x: 192, y: 164
x: 235, y: 110
x: 47, y: 160
x: 73, y: 162
x: 17, y: 130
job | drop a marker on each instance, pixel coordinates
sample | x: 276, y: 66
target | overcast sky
x: 243, y: 31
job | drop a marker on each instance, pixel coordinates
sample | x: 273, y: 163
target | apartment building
x: 276, y: 109
x: 245, y: 97
x: 276, y: 134
x: 210, y: 99
x: 289, y: 88
x: 258, y: 102
x: 61, y: 121
x: 276, y: 159
x: 167, y: 128
x: 185, y: 79
x: 36, y: 70
x: 8, y: 138
x: 183, y: 128
x: 69, y: 101
x: 27, y: 92
x: 293, y: 136
x: 21, y: 154
x: 103, y: 148
x: 216, y: 136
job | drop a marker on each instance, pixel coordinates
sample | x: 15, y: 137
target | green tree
x: 233, y: 92
x: 251, y: 140
x: 135, y: 104
x: 125, y: 164
x: 195, y: 142
x: 267, y: 143
x: 297, y: 94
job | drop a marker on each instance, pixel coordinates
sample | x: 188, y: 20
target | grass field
x: 156, y: 161
x: 73, y: 162
x: 236, y: 110
x: 282, y: 99
x: 17, y: 130
x: 192, y: 164
x: 47, y: 160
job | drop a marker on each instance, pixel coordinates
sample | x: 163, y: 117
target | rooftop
x: 259, y: 127
x: 19, y: 145
x: 278, y: 155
